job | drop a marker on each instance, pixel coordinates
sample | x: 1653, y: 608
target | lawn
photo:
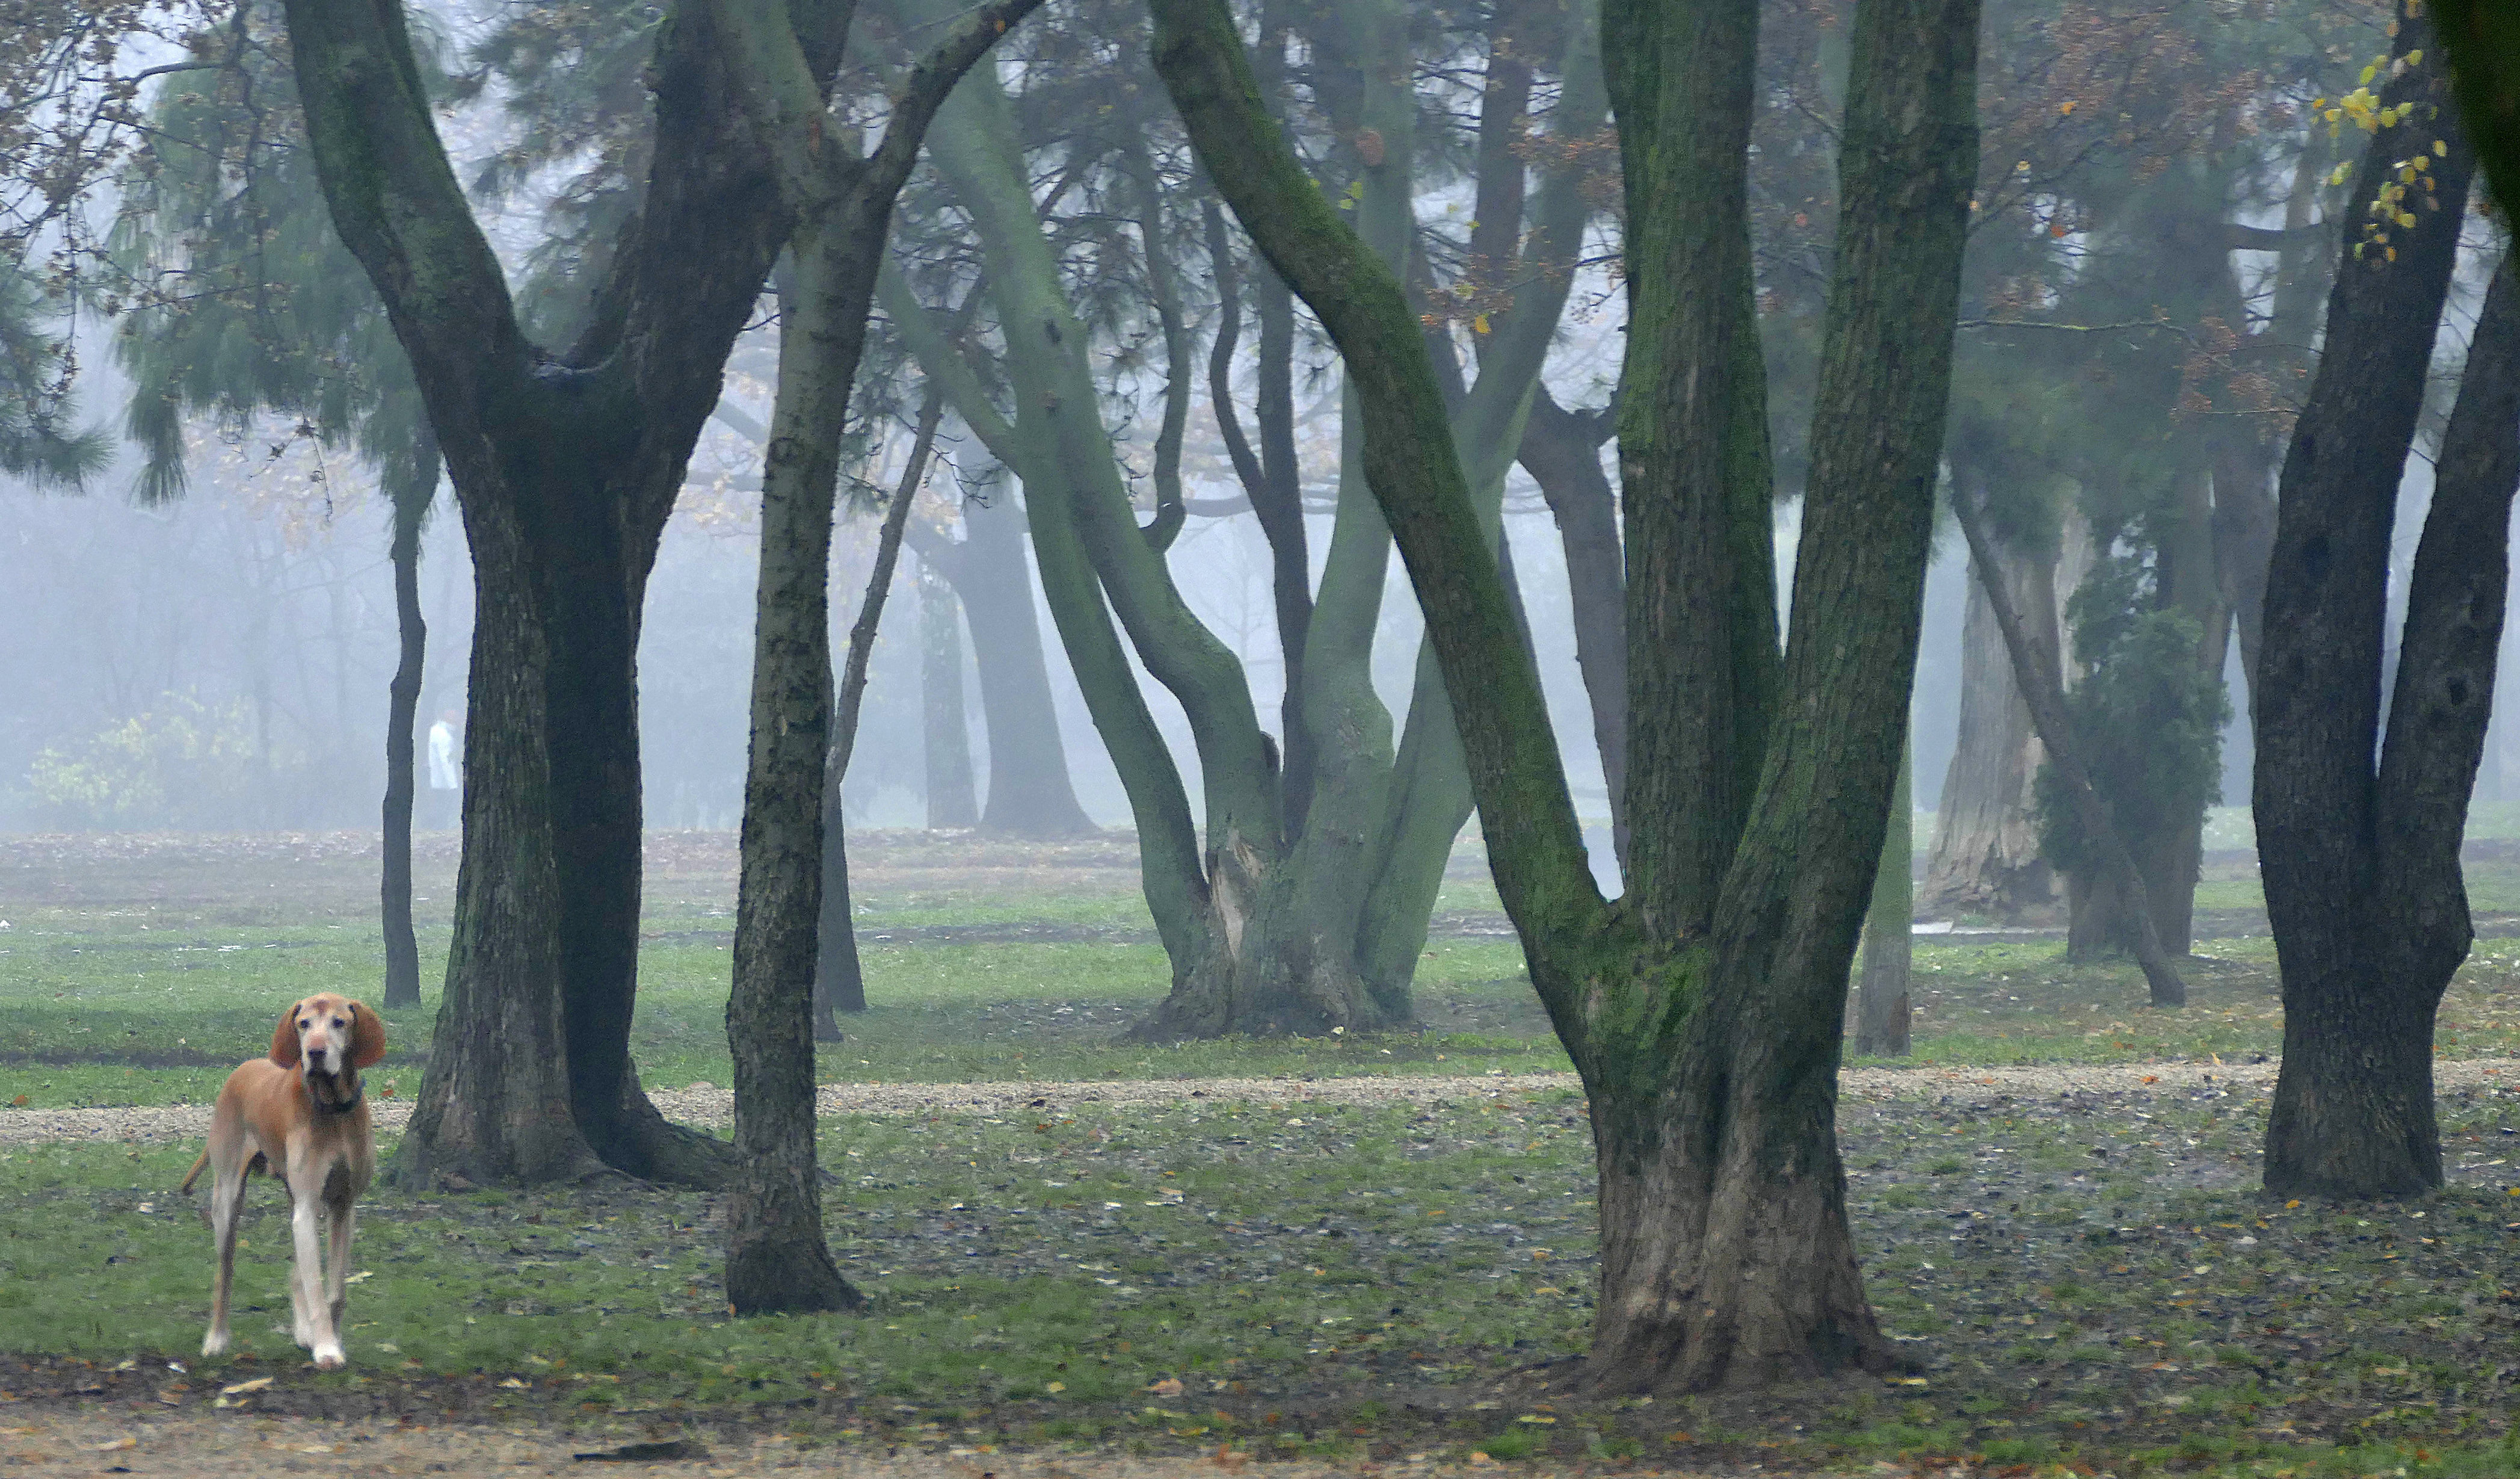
x: 2089, y: 1279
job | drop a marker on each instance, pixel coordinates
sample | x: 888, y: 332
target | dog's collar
x: 343, y: 1107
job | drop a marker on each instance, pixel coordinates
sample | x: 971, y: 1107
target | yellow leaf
x: 1479, y: 324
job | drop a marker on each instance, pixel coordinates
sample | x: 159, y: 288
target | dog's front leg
x: 343, y: 1215
x: 306, y: 1283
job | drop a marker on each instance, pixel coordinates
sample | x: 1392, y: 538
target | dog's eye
x: 336, y: 1021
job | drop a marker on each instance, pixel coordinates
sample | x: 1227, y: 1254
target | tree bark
x: 1986, y: 858
x: 2361, y: 864
x: 2045, y: 695
x: 1881, y: 995
x: 952, y: 804
x: 411, y: 498
x: 1710, y: 1057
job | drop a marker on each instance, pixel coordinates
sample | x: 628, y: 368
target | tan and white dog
x: 297, y: 1115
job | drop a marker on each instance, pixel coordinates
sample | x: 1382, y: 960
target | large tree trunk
x: 411, y: 498
x: 952, y: 803
x: 1710, y: 1053
x: 775, y: 1256
x: 802, y: 734
x: 1986, y: 858
x: 2361, y: 864
x: 566, y: 465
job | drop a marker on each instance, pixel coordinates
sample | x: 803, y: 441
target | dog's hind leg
x: 227, y: 1208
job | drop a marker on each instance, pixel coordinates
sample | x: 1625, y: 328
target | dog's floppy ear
x: 367, y: 1037
x: 284, y: 1038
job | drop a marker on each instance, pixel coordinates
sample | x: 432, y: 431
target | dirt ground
x: 94, y: 1440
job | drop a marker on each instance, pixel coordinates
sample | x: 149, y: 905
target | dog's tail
x: 194, y: 1174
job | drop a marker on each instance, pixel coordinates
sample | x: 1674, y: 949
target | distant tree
x: 1302, y: 903
x: 1705, y: 1009
x: 2360, y: 817
x: 241, y: 304
x: 945, y: 732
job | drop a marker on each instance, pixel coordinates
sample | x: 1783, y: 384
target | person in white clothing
x: 445, y: 771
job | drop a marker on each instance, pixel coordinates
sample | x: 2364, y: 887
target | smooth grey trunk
x: 1986, y: 860
x: 952, y: 802
x: 1029, y: 792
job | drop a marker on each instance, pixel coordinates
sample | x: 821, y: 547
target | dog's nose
x: 315, y: 1055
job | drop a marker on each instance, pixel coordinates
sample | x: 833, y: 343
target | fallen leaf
x: 258, y: 1384
x: 1170, y: 1386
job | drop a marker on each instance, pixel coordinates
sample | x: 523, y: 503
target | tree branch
x: 887, y: 550
x: 926, y: 89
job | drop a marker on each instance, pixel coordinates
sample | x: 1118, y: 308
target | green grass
x: 1302, y: 1270
x: 1313, y: 1272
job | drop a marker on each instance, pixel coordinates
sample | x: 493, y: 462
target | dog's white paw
x: 215, y: 1343
x: 329, y: 1357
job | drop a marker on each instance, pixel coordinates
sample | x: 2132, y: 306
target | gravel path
x: 709, y: 1106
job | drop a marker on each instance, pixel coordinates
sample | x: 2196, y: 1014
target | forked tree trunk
x: 2361, y: 863
x: 566, y: 465
x: 1710, y: 1053
x: 952, y: 804
x: 1986, y: 859
x: 411, y: 502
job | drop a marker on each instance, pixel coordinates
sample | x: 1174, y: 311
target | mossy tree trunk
x: 1287, y: 920
x: 2358, y: 829
x: 566, y: 463
x: 1707, y: 1028
x: 842, y: 204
